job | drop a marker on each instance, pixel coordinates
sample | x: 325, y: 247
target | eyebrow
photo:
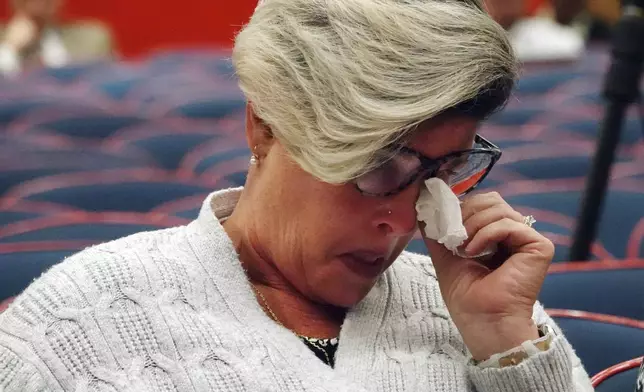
x: 414, y: 151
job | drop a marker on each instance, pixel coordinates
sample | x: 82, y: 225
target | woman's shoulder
x: 115, y: 304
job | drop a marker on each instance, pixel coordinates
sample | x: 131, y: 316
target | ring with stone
x: 529, y: 220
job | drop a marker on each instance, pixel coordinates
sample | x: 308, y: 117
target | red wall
x: 143, y: 25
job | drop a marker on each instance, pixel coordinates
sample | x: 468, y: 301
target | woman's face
x: 332, y: 242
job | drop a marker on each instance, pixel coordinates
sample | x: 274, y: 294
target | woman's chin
x: 346, y: 299
x: 347, y: 291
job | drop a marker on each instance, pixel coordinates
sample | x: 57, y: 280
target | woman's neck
x: 277, y: 296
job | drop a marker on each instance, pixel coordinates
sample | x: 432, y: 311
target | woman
x: 297, y: 282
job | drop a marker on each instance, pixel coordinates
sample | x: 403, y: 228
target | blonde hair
x: 339, y: 80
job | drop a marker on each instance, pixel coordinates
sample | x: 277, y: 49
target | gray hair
x: 338, y: 81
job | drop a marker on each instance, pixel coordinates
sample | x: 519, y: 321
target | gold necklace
x: 274, y: 317
x: 265, y: 303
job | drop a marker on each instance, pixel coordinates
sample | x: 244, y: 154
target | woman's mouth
x: 366, y: 264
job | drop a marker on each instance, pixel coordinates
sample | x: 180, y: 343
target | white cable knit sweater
x: 172, y: 311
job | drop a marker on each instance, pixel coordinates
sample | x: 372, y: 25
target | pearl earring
x: 254, y: 159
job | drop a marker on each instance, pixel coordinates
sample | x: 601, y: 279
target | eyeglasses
x: 463, y: 170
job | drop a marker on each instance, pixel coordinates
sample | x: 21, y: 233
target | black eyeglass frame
x: 429, y: 167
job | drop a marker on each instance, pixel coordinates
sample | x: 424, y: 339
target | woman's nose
x: 397, y: 216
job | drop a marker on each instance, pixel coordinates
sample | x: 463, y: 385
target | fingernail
x: 469, y: 250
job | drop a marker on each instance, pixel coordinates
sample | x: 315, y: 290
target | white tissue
x: 440, y: 210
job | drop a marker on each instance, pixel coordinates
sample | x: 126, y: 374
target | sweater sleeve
x: 556, y: 370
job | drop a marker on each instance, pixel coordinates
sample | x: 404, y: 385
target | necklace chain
x: 277, y: 320
x: 265, y: 303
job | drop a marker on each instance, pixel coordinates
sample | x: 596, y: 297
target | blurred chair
x: 62, y: 76
x: 588, y: 128
x: 217, y: 65
x: 606, y: 287
x: 215, y: 103
x: 137, y: 190
x: 14, y: 212
x: 167, y: 142
x: 8, y: 217
x: 623, y: 209
x: 187, y: 208
x: 224, y: 159
x: 115, y: 81
x: 517, y: 116
x: 619, y: 378
x: 81, y: 123
x: 548, y: 161
x: 14, y: 106
x: 600, y: 340
x: 20, y: 264
x: 20, y: 163
x: 199, y: 56
x: 544, y: 82
x: 86, y: 227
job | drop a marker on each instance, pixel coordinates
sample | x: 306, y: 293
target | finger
x: 490, y: 215
x: 516, y: 236
x: 452, y: 271
x: 479, y: 203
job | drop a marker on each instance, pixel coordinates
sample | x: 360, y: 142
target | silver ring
x: 529, y: 220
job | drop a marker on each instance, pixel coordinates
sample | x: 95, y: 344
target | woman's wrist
x: 486, y: 341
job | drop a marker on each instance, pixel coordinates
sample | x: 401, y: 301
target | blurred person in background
x: 508, y: 12
x: 33, y: 38
x: 539, y: 30
x: 542, y: 30
x: 298, y: 281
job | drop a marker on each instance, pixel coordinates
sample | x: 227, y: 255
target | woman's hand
x: 491, y: 301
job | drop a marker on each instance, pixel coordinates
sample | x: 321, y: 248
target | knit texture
x: 172, y: 310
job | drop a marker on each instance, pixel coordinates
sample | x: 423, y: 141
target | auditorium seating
x: 618, y: 378
x: 601, y: 341
x: 22, y: 263
x: 611, y: 288
x: 94, y: 152
x: 137, y: 190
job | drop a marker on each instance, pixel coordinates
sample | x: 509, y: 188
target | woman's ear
x: 258, y: 134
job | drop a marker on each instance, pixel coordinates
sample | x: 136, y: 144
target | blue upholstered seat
x: 167, y: 145
x: 608, y: 291
x: 624, y: 381
x: 132, y: 196
x: 622, y: 213
x: 94, y: 232
x: 23, y: 163
x: 89, y: 126
x: 600, y: 345
x: 19, y: 269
